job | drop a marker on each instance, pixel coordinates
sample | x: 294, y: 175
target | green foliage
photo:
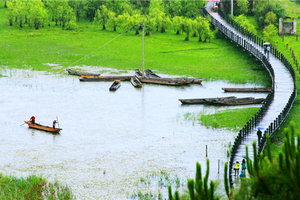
x: 33, y: 187
x: 199, y: 189
x: 271, y: 18
x: 244, y: 22
x: 274, y: 176
x: 270, y: 34
x: 243, y: 6
x: 262, y: 7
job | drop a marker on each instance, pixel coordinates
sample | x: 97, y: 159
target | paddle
x: 57, y: 121
x: 22, y: 124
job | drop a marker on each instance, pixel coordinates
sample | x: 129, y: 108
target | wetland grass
x: 32, y: 187
x: 31, y: 49
x: 232, y: 119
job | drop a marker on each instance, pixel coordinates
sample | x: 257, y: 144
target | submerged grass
x: 230, y: 119
x: 32, y: 187
x: 88, y: 45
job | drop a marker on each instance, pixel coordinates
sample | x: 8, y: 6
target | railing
x: 242, y: 42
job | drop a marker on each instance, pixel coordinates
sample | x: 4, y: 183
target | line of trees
x: 182, y: 16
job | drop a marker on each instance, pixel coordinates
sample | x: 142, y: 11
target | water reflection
x: 109, y: 140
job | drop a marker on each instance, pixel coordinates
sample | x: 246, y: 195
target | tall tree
x: 37, y: 14
x: 187, y: 25
x: 102, y: 16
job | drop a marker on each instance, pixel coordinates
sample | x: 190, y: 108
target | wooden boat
x: 116, y: 84
x: 224, y: 101
x: 260, y: 89
x: 42, y: 127
x: 241, y: 101
x: 105, y: 78
x: 151, y: 74
x: 152, y: 77
x: 79, y: 73
x: 161, y: 81
x: 204, y: 100
x: 136, y: 82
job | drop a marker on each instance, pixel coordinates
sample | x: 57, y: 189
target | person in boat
x: 54, y: 122
x: 32, y: 119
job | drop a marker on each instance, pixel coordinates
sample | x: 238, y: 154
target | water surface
x: 109, y: 139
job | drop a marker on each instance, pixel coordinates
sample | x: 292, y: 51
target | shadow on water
x: 109, y: 140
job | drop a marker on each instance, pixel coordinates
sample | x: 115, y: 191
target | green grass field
x: 90, y: 46
x: 232, y: 120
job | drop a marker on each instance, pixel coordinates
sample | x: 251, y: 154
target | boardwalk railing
x: 251, y: 43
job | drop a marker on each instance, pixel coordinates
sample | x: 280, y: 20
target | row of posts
x: 253, y: 122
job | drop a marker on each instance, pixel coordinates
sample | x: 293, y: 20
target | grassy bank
x: 232, y: 120
x: 32, y: 187
x: 88, y: 45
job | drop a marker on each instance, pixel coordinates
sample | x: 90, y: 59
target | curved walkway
x: 283, y: 88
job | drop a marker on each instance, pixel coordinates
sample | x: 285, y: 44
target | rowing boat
x: 136, y: 82
x: 258, y: 89
x: 205, y: 100
x: 79, y: 73
x: 42, y: 127
x: 116, y: 84
x: 105, y: 78
x: 224, y: 101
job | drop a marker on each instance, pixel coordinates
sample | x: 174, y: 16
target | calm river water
x: 110, y: 140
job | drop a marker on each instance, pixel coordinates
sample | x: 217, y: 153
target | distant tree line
x: 266, y: 14
x: 182, y: 16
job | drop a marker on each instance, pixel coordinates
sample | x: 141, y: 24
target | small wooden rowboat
x: 42, y: 127
x: 259, y: 89
x: 151, y: 74
x: 105, y: 78
x: 224, y: 101
x: 136, y: 82
x: 116, y: 84
x: 151, y: 77
x: 79, y: 73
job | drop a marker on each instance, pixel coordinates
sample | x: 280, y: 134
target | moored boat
x: 42, y: 127
x: 256, y: 89
x: 116, y: 84
x: 224, y: 101
x: 151, y: 74
x: 105, y: 78
x: 79, y: 73
x: 136, y: 82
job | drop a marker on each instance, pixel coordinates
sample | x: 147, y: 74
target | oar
x: 57, y: 121
x: 22, y: 124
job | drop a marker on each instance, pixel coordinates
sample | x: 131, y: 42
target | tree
x: 10, y: 12
x: 113, y: 20
x: 270, y: 34
x: 37, y: 14
x: 270, y: 18
x: 243, y: 6
x: 187, y: 27
x: 199, y: 27
x: 20, y: 11
x: 102, y: 16
x: 262, y: 7
x: 244, y: 22
x: 177, y: 24
x: 78, y: 7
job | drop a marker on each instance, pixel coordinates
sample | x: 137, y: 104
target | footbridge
x: 278, y: 102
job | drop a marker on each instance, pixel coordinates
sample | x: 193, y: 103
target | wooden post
x: 218, y: 166
x: 206, y: 151
x: 297, y: 38
x: 287, y: 46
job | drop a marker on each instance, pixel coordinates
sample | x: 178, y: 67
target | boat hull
x: 42, y: 127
